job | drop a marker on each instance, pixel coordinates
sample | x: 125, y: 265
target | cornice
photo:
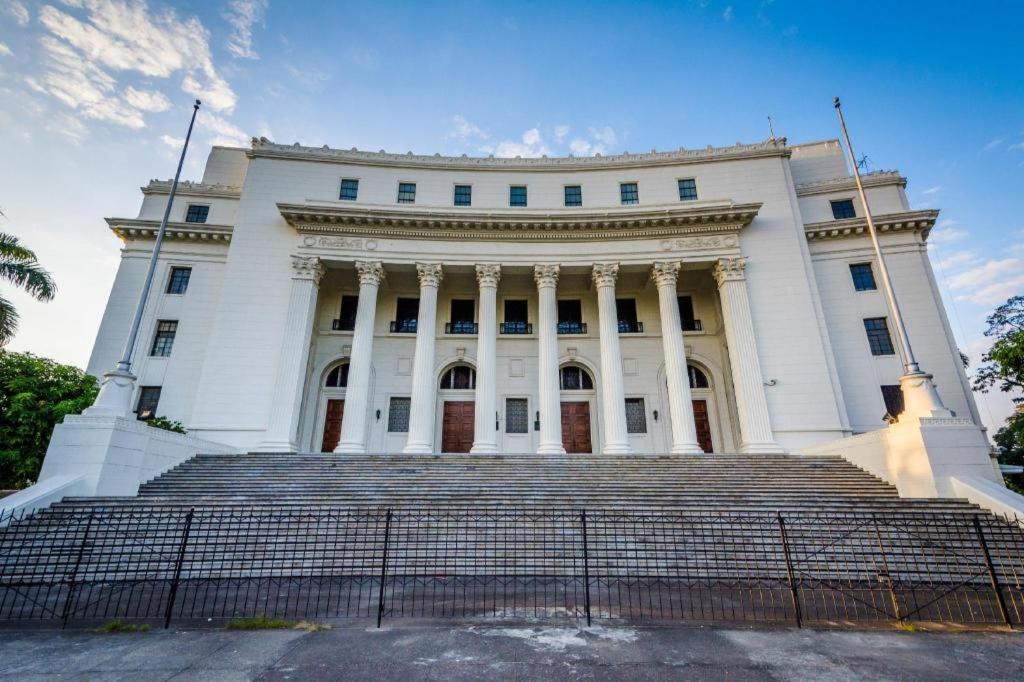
x: 193, y: 189
x: 419, y: 223
x: 906, y: 221
x: 129, y: 229
x: 876, y: 179
x: 264, y: 148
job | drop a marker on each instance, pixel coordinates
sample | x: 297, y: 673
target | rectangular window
x: 398, y: 415
x: 687, y: 319
x: 570, y: 317
x: 406, y: 312
x: 197, y: 213
x: 517, y: 415
x: 462, y: 317
x: 463, y: 195
x: 178, y: 281
x: 149, y: 398
x: 573, y: 195
x: 517, y: 195
x: 349, y: 190
x: 636, y: 416
x: 516, y: 318
x: 164, y: 339
x: 347, y: 316
x: 863, y: 277
x: 878, y: 336
x: 843, y: 208
x: 626, y: 309
x: 688, y: 190
x: 893, y: 397
x: 629, y: 193
x: 407, y: 192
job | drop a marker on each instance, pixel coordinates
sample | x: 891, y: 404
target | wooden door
x: 576, y: 427
x: 332, y: 425
x: 703, y: 424
x: 457, y: 426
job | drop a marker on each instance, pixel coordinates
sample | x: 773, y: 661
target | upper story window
x: 575, y: 378
x: 346, y: 321
x: 337, y: 377
x: 166, y: 330
x: 878, y: 336
x: 407, y: 192
x: 629, y: 193
x: 626, y: 309
x: 177, y: 283
x: 863, y: 277
x: 573, y: 195
x: 349, y: 189
x: 149, y: 398
x: 687, y: 319
x: 459, y: 377
x: 688, y: 190
x: 462, y: 317
x: 197, y: 213
x: 843, y: 208
x: 463, y: 195
x: 406, y: 312
x: 516, y: 317
x: 517, y: 195
x: 570, y: 317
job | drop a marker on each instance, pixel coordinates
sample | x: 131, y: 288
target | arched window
x: 575, y: 378
x: 459, y: 377
x: 697, y: 378
x: 337, y: 377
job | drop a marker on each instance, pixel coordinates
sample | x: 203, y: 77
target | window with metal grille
x: 697, y: 378
x: 626, y: 312
x: 349, y: 190
x: 149, y: 398
x: 347, y: 315
x: 164, y: 339
x: 629, y: 193
x: 463, y: 195
x: 406, y: 312
x: 407, y: 192
x: 843, y: 208
x: 197, y: 213
x: 337, y: 377
x: 636, y: 416
x: 398, y: 415
x: 517, y: 415
x: 688, y: 190
x: 459, y: 377
x: 687, y: 318
x: 573, y: 378
x: 863, y: 277
x: 517, y: 195
x: 893, y: 397
x: 878, y: 336
x: 177, y: 283
x: 573, y: 195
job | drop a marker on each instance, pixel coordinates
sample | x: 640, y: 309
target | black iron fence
x: 164, y: 564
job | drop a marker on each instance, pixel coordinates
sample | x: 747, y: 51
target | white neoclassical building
x: 719, y: 299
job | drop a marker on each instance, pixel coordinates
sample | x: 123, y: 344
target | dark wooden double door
x: 703, y: 423
x: 332, y: 425
x: 457, y: 421
x: 576, y: 427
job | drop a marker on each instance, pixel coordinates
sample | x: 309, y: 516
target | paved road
x: 515, y: 652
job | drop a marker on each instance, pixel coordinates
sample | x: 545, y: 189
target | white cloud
x: 1019, y: 146
x: 946, y: 233
x: 605, y: 135
x: 995, y: 293
x: 728, y: 13
x: 987, y: 273
x: 932, y: 190
x: 464, y: 130
x: 171, y: 141
x: 4, y: 50
x: 220, y: 131
x: 561, y: 132
x: 530, y: 146
x: 17, y: 10
x: 957, y: 260
x: 579, y: 147
x: 147, y: 100
x: 993, y: 144
x: 242, y: 15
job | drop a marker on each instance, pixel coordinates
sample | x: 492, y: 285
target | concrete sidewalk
x: 514, y: 652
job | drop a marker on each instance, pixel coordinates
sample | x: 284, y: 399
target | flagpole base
x: 115, y: 396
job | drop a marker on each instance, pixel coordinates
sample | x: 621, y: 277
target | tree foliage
x: 18, y: 265
x: 166, y: 424
x: 1010, y: 441
x: 35, y: 394
x: 1004, y: 361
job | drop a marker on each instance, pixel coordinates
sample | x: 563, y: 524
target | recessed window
x: 697, y: 378
x: 629, y: 193
x: 177, y: 283
x: 570, y: 317
x: 349, y: 190
x: 893, y: 397
x: 573, y: 195
x: 863, y: 277
x: 398, y: 415
x: 636, y: 416
x: 516, y: 318
x: 462, y: 317
x: 149, y: 398
x: 626, y: 310
x: 463, y: 195
x: 575, y: 378
x: 337, y: 377
x: 197, y: 213
x: 346, y: 321
x: 406, y: 312
x: 459, y: 377
x: 517, y: 195
x: 517, y: 415
x: 164, y: 339
x: 407, y: 192
x: 878, y: 336
x: 843, y: 208
x: 688, y: 190
x: 687, y: 319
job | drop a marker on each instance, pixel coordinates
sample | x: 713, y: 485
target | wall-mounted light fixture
x: 655, y: 415
x: 378, y: 415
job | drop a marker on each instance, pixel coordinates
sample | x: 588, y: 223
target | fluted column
x: 549, y: 398
x: 680, y: 401
x: 283, y: 424
x: 616, y: 437
x: 485, y: 433
x: 357, y: 393
x: 755, y: 425
x: 421, y: 405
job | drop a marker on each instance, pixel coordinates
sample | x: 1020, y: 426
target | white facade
x: 781, y: 339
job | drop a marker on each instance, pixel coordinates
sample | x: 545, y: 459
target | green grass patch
x: 260, y: 623
x: 118, y: 625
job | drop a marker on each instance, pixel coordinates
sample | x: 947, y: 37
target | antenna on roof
x: 771, y: 128
x: 864, y: 163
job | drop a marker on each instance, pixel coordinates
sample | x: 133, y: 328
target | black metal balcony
x: 343, y: 325
x: 571, y: 327
x: 516, y: 328
x: 403, y: 327
x: 631, y: 327
x: 692, y: 326
x: 460, y: 327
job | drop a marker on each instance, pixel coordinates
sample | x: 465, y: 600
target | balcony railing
x: 460, y: 327
x: 516, y: 328
x: 569, y: 327
x: 343, y: 325
x: 630, y: 327
x: 692, y: 326
x: 403, y: 327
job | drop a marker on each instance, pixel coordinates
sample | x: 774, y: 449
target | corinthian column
x: 549, y: 400
x: 616, y: 437
x: 357, y: 393
x: 755, y: 425
x: 283, y: 424
x: 680, y: 402
x: 485, y: 433
x: 421, y: 405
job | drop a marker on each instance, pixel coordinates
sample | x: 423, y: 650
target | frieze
x: 351, y: 243
x: 700, y: 243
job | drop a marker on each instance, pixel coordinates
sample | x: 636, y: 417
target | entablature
x: 918, y: 222
x: 129, y: 229
x: 848, y: 184
x: 193, y: 189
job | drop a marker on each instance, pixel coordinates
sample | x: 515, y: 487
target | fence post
x: 177, y: 568
x: 586, y: 567
x: 992, y: 576
x: 888, y: 575
x: 74, y: 574
x: 383, y: 569
x: 789, y: 570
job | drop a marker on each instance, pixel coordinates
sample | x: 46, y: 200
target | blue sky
x: 95, y: 94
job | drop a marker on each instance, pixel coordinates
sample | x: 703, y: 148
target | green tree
x: 1010, y: 441
x: 35, y: 394
x: 19, y: 266
x: 1004, y: 361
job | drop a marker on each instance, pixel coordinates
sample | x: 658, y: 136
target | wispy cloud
x: 147, y: 100
x: 932, y: 190
x: 728, y: 13
x: 605, y: 136
x: 560, y: 133
x: 4, y: 50
x: 222, y: 131
x: 946, y: 233
x: 465, y: 131
x: 994, y: 144
x: 1017, y: 146
x: 957, y: 260
x: 530, y: 145
x: 173, y: 142
x: 242, y: 15
x: 17, y: 9
x: 989, y: 283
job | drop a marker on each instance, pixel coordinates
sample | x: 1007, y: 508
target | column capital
x: 545, y: 275
x: 488, y: 274
x: 730, y: 270
x: 308, y: 267
x: 665, y: 273
x: 430, y: 274
x: 370, y: 271
x: 605, y: 274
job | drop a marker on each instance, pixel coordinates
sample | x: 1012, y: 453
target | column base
x: 350, y: 449
x: 417, y: 449
x: 277, y: 446
x: 550, y: 450
x: 762, y: 449
x: 687, y: 449
x: 483, y: 449
x: 616, y: 450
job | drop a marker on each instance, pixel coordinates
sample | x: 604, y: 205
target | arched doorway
x: 456, y: 390
x: 700, y: 390
x: 577, y: 399
x: 333, y: 388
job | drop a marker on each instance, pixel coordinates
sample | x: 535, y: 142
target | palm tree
x: 19, y: 266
